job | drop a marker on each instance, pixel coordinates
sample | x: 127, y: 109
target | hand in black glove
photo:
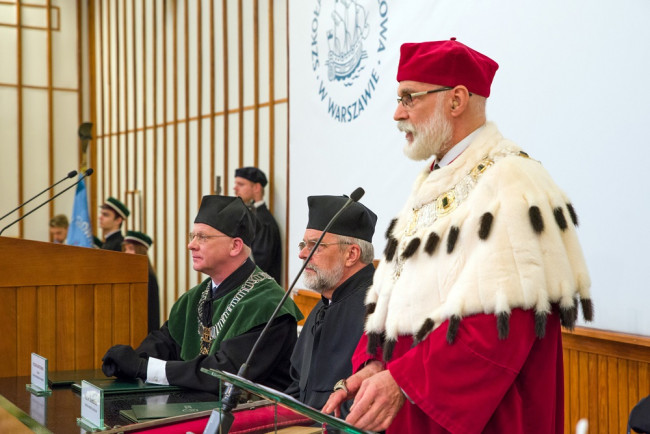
x: 122, y: 361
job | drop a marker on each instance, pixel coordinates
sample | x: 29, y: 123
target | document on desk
x: 159, y: 411
x: 112, y: 386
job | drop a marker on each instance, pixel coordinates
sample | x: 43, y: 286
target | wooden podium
x: 67, y: 304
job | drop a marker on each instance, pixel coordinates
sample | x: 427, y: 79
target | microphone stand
x: 231, y: 394
x: 86, y: 174
x: 71, y: 174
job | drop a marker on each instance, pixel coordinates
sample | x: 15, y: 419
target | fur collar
x: 489, y: 233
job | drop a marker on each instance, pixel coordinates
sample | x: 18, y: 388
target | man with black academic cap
x: 138, y: 243
x: 233, y: 306
x: 267, y: 246
x: 112, y: 214
x: 341, y: 271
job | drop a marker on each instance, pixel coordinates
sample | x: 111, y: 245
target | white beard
x: 427, y: 139
x: 322, y: 280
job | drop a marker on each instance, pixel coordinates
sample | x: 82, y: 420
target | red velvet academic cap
x: 447, y: 63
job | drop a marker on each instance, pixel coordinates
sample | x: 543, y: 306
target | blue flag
x: 80, y: 232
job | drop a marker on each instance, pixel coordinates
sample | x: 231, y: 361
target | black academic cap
x: 356, y: 221
x: 228, y: 215
x: 253, y: 174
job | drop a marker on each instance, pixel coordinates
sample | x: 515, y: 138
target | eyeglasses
x: 310, y: 245
x: 202, y: 238
x: 407, y: 98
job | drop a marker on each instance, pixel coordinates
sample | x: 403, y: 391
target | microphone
x: 229, y: 400
x: 71, y: 174
x: 85, y: 174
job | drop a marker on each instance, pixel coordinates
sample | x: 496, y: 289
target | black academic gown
x: 114, y: 242
x: 270, y: 367
x: 327, y: 341
x: 267, y: 247
x: 153, y: 302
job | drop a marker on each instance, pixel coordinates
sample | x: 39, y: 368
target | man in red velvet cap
x: 481, y: 269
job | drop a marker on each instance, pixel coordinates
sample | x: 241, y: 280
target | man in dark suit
x: 267, y: 247
x: 113, y: 214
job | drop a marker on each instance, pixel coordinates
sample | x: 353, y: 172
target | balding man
x: 481, y: 268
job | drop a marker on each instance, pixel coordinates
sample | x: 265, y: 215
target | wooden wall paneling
x: 84, y: 315
x: 175, y: 189
x: 226, y: 97
x: 46, y: 325
x: 593, y: 392
x: 145, y: 142
x: 199, y: 103
x: 213, y: 132
x: 271, y: 84
x: 186, y: 144
x: 10, y: 320
x: 50, y: 105
x: 168, y: 286
x: 603, y: 383
x: 631, y: 383
x: 622, y: 388
x: 27, y: 326
x: 644, y: 379
x: 612, y: 395
x: 583, y: 384
x: 121, y: 302
x: 137, y: 299
x: 19, y: 108
x: 65, y: 327
x: 574, y: 398
x: 240, y: 81
x: 256, y: 84
x: 103, y: 333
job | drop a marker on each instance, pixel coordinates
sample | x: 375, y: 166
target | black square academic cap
x: 356, y: 221
x: 228, y: 215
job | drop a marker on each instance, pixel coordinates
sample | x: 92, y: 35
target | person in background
x: 267, y: 246
x: 216, y: 323
x: 481, y: 269
x: 138, y: 243
x: 341, y: 271
x: 113, y: 213
x: 59, y: 228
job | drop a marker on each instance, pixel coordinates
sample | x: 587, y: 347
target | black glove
x: 123, y: 362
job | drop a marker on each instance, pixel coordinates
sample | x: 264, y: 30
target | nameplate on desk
x: 92, y: 407
x: 38, y: 386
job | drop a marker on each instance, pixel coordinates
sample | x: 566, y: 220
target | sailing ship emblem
x: 345, y: 40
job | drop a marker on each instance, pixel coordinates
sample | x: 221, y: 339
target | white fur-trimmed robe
x: 510, y: 243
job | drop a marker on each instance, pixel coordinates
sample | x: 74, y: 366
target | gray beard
x: 322, y: 280
x: 430, y: 138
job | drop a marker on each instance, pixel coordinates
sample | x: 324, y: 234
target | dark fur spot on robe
x: 568, y: 317
x: 540, y: 324
x: 370, y: 309
x: 452, y: 238
x: 486, y: 225
x: 392, y: 224
x: 391, y: 248
x: 503, y: 324
x: 424, y: 331
x: 536, y: 219
x: 374, y: 340
x: 432, y: 243
x: 559, y: 218
x: 452, y: 331
x: 587, y: 309
x: 411, y: 248
x: 572, y: 213
x: 389, y: 346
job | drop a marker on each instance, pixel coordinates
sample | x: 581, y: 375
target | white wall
x: 571, y: 90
